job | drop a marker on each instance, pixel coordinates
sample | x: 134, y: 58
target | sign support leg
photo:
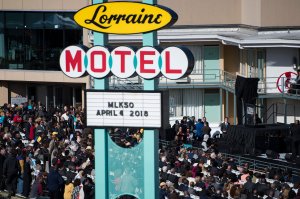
x: 150, y: 136
x: 100, y: 135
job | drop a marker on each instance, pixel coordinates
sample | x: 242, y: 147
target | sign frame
x: 124, y: 91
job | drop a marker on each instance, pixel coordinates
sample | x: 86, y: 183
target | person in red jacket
x: 17, y: 118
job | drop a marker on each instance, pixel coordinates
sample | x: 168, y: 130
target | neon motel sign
x: 125, y: 17
x: 123, y: 61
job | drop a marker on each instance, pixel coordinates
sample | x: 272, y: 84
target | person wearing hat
x: 163, y: 190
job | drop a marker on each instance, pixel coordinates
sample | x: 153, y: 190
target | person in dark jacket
x: 26, y: 127
x: 55, y: 183
x: 206, y: 129
x: 89, y: 188
x: 11, y: 171
x: 2, y: 160
x: 27, y: 177
x: 224, y: 126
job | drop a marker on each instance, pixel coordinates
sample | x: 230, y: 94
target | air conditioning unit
x: 183, y: 80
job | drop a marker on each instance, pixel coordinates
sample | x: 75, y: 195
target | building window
x: 2, y: 44
x: 14, y: 37
x: 34, y: 56
x: 34, y: 40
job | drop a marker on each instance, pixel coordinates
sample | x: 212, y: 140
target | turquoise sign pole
x: 100, y: 135
x: 150, y: 136
x: 103, y: 144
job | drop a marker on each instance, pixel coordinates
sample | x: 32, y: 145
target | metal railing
x: 116, y: 83
x: 282, y: 85
x: 214, y: 78
x: 208, y: 77
x: 254, y: 164
x: 261, y: 166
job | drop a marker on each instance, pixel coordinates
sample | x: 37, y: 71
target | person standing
x: 204, y: 121
x: 27, y: 179
x: 27, y: 126
x: 224, y: 126
x: 206, y: 129
x: 199, y: 133
x: 11, y: 171
x: 2, y: 160
x: 76, y: 190
x: 55, y: 183
x: 37, y: 187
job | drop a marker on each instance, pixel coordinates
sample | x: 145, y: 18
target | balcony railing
x: 211, y: 78
x: 279, y: 86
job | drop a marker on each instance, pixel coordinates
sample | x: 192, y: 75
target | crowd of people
x: 46, y: 154
x: 50, y: 154
x: 192, y: 173
x: 202, y: 172
x: 198, y: 133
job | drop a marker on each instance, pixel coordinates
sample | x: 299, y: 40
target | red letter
x: 70, y: 61
x: 98, y: 70
x: 122, y: 54
x: 143, y: 62
x: 168, y: 68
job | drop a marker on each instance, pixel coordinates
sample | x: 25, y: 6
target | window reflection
x: 2, y: 45
x: 34, y: 40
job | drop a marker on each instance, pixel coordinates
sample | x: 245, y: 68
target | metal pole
x: 285, y: 111
x: 73, y: 98
x: 227, y: 114
x: 234, y: 109
x: 46, y: 98
x: 276, y: 112
x: 151, y: 137
x: 221, y: 104
x: 294, y: 112
x: 54, y: 97
x: 282, y: 85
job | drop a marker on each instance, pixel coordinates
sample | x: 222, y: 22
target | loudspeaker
x: 272, y: 154
x: 289, y: 157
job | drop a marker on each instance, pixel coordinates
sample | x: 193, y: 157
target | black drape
x: 245, y: 139
x: 246, y: 91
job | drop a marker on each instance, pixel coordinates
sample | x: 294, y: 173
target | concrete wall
x: 248, y: 12
x: 251, y: 12
x: 280, y: 12
x: 205, y: 12
x: 3, y: 92
x: 194, y: 12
